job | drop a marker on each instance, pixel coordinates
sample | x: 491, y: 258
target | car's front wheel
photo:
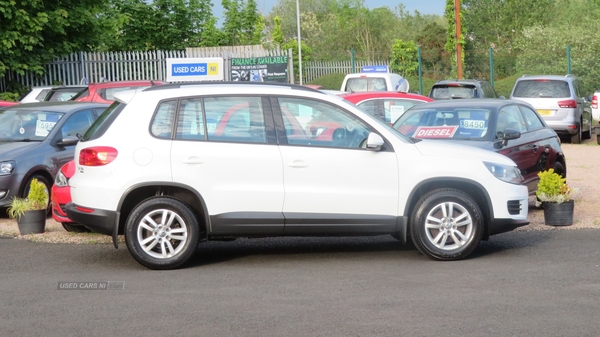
x: 162, y: 233
x: 446, y: 224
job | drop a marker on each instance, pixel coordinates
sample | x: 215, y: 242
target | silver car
x: 560, y: 101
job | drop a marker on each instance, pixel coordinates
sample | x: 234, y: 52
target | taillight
x: 595, y: 102
x: 570, y: 103
x: 97, y: 156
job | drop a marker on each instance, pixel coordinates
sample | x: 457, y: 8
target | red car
x: 386, y: 105
x: 61, y: 195
x: 7, y: 103
x: 103, y: 92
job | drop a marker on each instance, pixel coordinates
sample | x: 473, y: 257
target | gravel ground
x: 582, y: 162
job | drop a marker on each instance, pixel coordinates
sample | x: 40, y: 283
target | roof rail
x: 569, y: 75
x: 202, y: 83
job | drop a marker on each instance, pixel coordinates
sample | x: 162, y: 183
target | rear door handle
x: 298, y: 164
x: 193, y: 161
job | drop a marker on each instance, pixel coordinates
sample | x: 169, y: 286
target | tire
x: 149, y: 233
x: 576, y: 138
x: 74, y: 227
x: 560, y: 169
x: 446, y: 239
x: 598, y: 139
x: 48, y: 189
x: 587, y: 134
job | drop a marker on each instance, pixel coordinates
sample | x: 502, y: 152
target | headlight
x: 61, y: 180
x: 510, y: 174
x: 6, y: 167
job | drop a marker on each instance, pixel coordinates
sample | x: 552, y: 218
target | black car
x: 36, y: 139
x: 462, y: 89
x: 509, y: 127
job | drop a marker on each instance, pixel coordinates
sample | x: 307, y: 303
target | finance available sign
x: 260, y: 69
x: 195, y: 69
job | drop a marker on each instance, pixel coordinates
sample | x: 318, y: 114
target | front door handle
x: 298, y: 164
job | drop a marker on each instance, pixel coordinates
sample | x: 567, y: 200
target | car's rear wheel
x: 162, y: 233
x: 446, y: 224
x: 74, y: 227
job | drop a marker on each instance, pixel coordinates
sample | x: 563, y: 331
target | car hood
x: 9, y: 150
x: 430, y: 147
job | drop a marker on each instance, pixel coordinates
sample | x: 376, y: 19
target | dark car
x: 509, y: 127
x: 36, y: 139
x: 462, y: 89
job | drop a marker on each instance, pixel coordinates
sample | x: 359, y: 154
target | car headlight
x: 61, y: 180
x: 6, y: 167
x: 510, y: 174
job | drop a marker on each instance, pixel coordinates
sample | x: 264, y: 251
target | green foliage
x: 34, y: 32
x: 331, y: 81
x: 552, y: 187
x: 37, y: 199
x: 434, y: 57
x: 306, y: 55
x: 404, y: 59
x: 414, y: 84
x: 452, y: 41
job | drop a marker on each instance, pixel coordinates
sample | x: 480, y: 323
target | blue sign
x: 375, y: 69
x: 189, y: 69
x: 195, y: 69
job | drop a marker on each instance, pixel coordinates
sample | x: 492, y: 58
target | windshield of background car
x: 61, y: 95
x: 453, y: 92
x: 83, y: 93
x: 24, y: 125
x: 359, y: 84
x: 542, y: 89
x: 443, y: 122
x: 101, y: 124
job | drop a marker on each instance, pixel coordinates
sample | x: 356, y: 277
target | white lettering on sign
x: 435, y: 131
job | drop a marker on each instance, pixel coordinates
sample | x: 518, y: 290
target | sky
x: 423, y: 6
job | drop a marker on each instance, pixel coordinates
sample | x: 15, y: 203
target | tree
x: 404, y: 58
x: 243, y: 24
x: 36, y: 31
x: 433, y: 55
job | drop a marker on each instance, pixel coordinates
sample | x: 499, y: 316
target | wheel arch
x: 470, y: 187
x: 38, y: 172
x: 138, y: 193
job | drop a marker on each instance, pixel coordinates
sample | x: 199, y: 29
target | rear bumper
x: 97, y: 220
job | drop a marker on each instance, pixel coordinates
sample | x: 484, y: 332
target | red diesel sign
x: 435, y: 131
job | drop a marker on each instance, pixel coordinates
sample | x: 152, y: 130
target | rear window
x: 453, y: 92
x: 542, y: 89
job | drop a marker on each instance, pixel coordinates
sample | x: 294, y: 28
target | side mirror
x: 374, y: 142
x: 510, y: 134
x: 68, y: 141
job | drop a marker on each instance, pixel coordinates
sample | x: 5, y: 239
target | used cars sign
x: 195, y: 69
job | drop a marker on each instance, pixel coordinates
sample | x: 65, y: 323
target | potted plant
x: 555, y: 196
x: 31, y: 212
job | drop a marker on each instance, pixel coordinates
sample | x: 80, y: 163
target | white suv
x: 178, y: 164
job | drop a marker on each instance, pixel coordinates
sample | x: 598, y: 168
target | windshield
x: 25, y: 124
x: 453, y: 92
x: 444, y: 122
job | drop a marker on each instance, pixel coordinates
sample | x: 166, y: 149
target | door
x: 221, y: 150
x: 332, y: 184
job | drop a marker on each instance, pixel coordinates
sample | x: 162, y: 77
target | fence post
x: 352, y: 59
x: 568, y: 59
x: 420, y: 71
x: 492, y: 66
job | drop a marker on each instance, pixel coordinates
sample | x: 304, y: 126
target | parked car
x: 103, y: 92
x: 509, y: 127
x: 36, y: 139
x: 63, y: 93
x: 463, y: 89
x: 388, y: 105
x: 7, y: 103
x: 374, y: 78
x: 61, y: 196
x: 560, y: 101
x: 36, y: 94
x: 175, y: 183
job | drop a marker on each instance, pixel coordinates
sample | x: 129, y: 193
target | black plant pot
x: 559, y: 214
x: 32, y: 222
